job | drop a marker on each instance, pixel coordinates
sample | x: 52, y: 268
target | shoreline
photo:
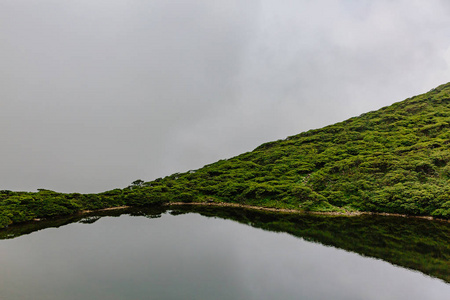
x: 295, y: 211
x: 86, y: 211
x: 269, y: 209
x: 104, y: 209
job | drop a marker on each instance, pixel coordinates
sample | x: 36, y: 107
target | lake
x: 225, y: 253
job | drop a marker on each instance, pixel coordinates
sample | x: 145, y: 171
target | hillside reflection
x: 416, y: 244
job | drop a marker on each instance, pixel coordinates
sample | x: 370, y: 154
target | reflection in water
x: 413, y: 243
x: 185, y: 256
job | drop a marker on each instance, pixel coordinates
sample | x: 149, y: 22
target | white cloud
x: 97, y: 94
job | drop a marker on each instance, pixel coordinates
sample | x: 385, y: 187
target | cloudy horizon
x: 96, y: 94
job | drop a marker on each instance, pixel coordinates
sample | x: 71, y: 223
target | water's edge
x: 413, y: 243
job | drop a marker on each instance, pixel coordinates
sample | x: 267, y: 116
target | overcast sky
x: 97, y: 93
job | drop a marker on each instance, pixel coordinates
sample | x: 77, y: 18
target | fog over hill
x: 96, y: 94
x: 395, y: 160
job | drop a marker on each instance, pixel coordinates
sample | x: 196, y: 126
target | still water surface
x: 190, y: 256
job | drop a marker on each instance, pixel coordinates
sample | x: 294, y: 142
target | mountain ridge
x: 392, y: 160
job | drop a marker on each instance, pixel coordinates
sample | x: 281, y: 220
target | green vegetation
x: 393, y: 160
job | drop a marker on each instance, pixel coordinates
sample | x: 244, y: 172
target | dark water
x: 158, y: 254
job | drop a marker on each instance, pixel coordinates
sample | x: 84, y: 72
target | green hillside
x: 393, y: 160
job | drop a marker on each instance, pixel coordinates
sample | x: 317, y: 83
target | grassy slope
x: 391, y: 160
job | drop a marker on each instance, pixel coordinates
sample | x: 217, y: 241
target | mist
x: 96, y: 94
